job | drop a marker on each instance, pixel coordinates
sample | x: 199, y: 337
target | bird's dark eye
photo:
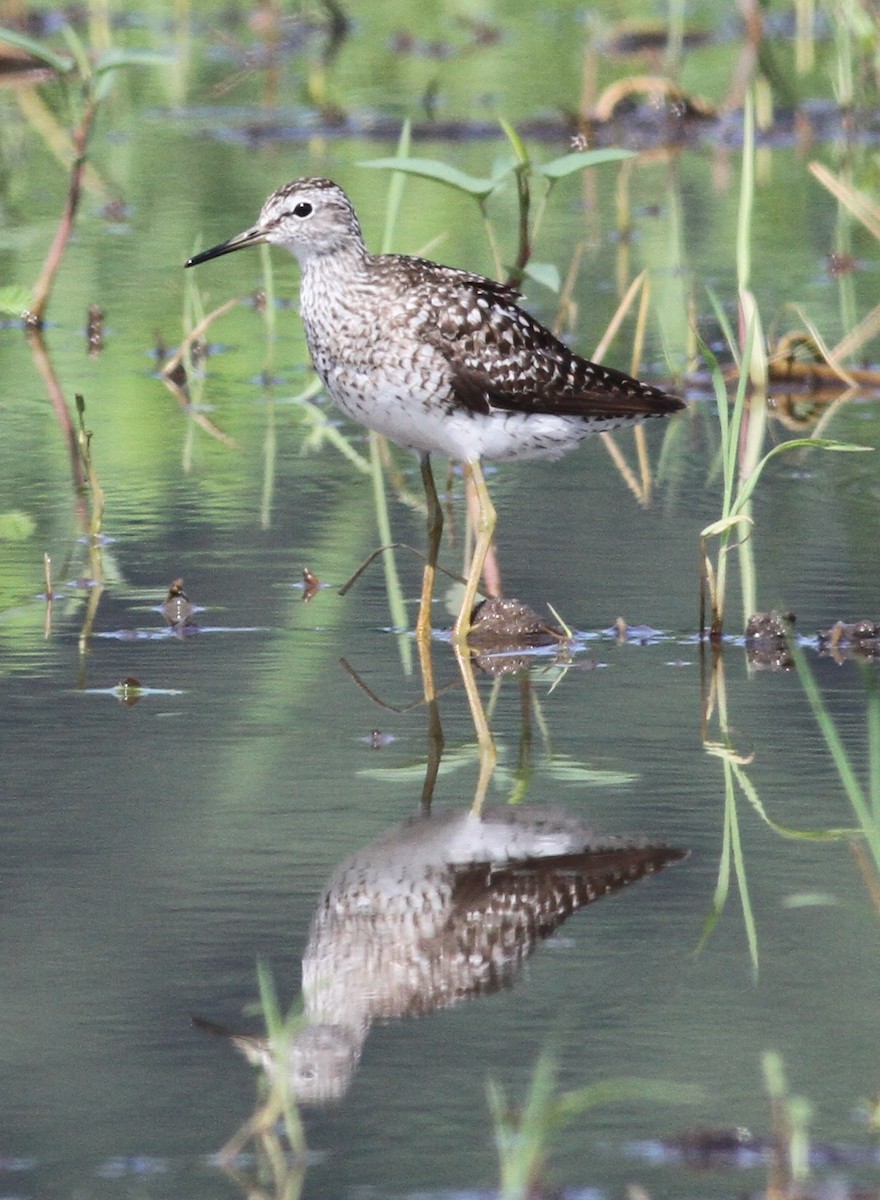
x: 303, y: 209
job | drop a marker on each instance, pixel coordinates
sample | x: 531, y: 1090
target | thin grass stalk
x: 746, y: 197
x: 855, y: 338
x: 521, y: 1141
x: 57, y: 139
x: 722, y: 881
x: 804, y: 38
x: 843, y: 78
x: 863, y: 207
x: 845, y: 281
x: 43, y: 286
x: 872, y: 718
x: 833, y: 834
x: 791, y: 1117
x: 732, y: 816
x: 100, y: 37
x: 270, y: 457
x: 96, y: 492
x: 182, y: 41
x: 523, y: 196
x: 748, y: 575
x: 270, y: 312
x: 639, y: 434
x: 270, y: 441
x: 674, y: 38
x: 393, y: 587
x: 279, y: 1031
x: 729, y: 427
x: 731, y: 844
x: 864, y: 811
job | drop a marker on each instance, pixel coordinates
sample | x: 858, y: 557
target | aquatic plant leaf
x: 558, y: 168
x: 725, y: 523
x: 440, y: 172
x: 112, y: 59
x: 16, y: 526
x: 796, y: 443
x: 625, y: 1090
x: 14, y: 300
x: 503, y: 165
x: 62, y: 63
x: 547, y: 274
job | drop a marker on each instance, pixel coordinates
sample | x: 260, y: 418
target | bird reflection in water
x: 443, y: 908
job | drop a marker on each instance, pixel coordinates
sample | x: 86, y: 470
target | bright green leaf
x: 724, y: 524
x: 14, y: 300
x: 78, y: 49
x: 115, y: 58
x: 558, y: 168
x: 16, y: 526
x: 61, y: 63
x: 104, y: 84
x: 440, y: 172
x: 547, y: 274
x: 503, y: 166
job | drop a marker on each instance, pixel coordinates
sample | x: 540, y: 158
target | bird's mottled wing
x: 500, y: 357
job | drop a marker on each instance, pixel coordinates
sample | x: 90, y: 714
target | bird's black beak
x: 250, y: 237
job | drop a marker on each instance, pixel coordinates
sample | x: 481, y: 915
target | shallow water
x: 153, y: 852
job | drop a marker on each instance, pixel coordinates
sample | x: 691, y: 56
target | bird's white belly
x: 421, y: 415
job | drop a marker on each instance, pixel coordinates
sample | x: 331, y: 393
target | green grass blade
x: 722, y: 884
x: 873, y: 723
x: 519, y: 146
x: 395, y: 190
x: 750, y: 792
x: 746, y: 199
x: 739, y: 867
x: 839, y: 756
x: 624, y: 1091
x: 726, y: 328
x: 748, y: 485
x: 269, y: 999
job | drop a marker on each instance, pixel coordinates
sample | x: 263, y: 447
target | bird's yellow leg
x: 485, y: 742
x: 486, y: 520
x: 491, y: 567
x: 435, y: 532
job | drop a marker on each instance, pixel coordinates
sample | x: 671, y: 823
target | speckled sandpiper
x: 437, y: 359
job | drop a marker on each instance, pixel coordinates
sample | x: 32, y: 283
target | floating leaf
x: 14, y: 300
x: 440, y: 172
x: 61, y: 63
x: 547, y: 274
x: 558, y: 168
x: 16, y: 526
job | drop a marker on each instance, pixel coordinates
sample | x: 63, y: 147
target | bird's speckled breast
x: 383, y: 340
